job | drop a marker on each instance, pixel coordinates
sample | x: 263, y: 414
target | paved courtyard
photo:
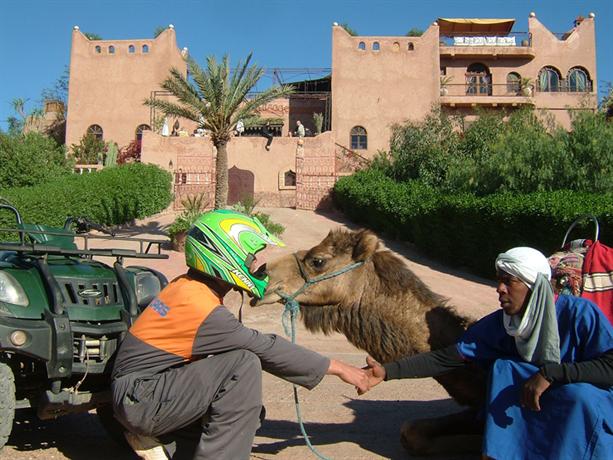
x: 340, y: 424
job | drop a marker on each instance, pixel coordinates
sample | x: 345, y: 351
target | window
x: 396, y: 46
x: 139, y: 131
x: 549, y: 80
x: 96, y: 131
x: 578, y: 80
x: 411, y: 46
x: 358, y: 138
x: 131, y: 49
x: 376, y: 46
x: 145, y: 49
x: 361, y: 46
x: 98, y: 49
x: 513, y: 83
x: 289, y: 178
x: 478, y: 80
x: 111, y: 49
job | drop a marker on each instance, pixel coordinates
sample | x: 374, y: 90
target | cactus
x: 111, y: 156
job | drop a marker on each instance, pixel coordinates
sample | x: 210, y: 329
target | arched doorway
x: 478, y: 80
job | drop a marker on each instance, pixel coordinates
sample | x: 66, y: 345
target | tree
x: 216, y: 99
x: 158, y: 30
x: 415, y: 32
x: 92, y: 36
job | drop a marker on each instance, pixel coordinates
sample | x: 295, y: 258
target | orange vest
x: 171, y: 321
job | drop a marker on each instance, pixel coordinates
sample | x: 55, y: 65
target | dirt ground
x: 340, y: 424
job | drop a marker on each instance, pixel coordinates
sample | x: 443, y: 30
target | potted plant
x: 445, y: 80
x: 526, y: 86
x: 177, y: 231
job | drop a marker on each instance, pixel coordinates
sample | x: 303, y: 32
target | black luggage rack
x: 147, y: 248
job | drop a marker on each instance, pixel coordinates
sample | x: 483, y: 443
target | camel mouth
x: 268, y: 299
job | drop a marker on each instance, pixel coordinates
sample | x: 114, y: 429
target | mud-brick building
x: 462, y: 65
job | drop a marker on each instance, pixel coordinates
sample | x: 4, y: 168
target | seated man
x: 188, y: 360
x: 550, y: 367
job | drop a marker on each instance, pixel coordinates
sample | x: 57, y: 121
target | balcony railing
x: 483, y: 89
x: 565, y: 87
x: 514, y: 39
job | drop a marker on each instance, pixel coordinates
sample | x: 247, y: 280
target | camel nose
x: 261, y: 272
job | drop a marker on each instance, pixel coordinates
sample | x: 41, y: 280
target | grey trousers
x: 224, y: 392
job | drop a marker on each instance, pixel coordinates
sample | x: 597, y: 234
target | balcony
x: 484, y: 95
x: 516, y: 45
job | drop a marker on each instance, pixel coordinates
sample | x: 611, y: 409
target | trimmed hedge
x: 111, y: 196
x: 466, y: 230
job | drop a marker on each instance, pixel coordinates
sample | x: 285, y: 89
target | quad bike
x: 63, y: 315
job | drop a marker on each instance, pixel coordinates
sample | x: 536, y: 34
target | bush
x: 467, y: 230
x: 90, y: 150
x: 523, y: 155
x: 30, y: 159
x: 112, y: 196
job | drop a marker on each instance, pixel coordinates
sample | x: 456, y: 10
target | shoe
x: 146, y: 447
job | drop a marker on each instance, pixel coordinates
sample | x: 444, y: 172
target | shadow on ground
x: 78, y: 436
x: 375, y: 429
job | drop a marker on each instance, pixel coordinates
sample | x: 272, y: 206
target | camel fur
x: 383, y: 309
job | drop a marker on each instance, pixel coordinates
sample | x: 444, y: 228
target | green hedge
x: 111, y: 196
x: 465, y: 230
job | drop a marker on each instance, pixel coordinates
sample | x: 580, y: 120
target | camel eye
x: 317, y: 262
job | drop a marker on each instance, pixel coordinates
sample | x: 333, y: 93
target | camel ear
x: 366, y: 245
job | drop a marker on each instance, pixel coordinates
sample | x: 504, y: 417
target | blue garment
x: 576, y: 420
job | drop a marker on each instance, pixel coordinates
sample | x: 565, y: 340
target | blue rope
x: 292, y: 307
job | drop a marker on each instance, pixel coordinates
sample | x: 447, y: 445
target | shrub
x: 464, y: 229
x: 111, y: 196
x: 90, y: 150
x: 30, y: 159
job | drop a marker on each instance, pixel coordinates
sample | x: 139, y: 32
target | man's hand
x: 375, y: 372
x: 532, y: 390
x: 350, y: 374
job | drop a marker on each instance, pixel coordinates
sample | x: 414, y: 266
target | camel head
x: 338, y: 250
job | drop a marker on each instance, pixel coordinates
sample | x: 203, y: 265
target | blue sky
x: 35, y: 34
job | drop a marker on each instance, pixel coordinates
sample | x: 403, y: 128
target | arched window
x: 289, y: 178
x: 578, y: 80
x: 410, y: 46
x: 513, y: 83
x: 131, y: 49
x: 376, y: 46
x: 145, y: 49
x: 361, y: 46
x: 549, y: 80
x: 96, y: 131
x: 98, y: 49
x: 478, y: 80
x: 396, y: 46
x: 111, y: 49
x: 139, y: 131
x: 358, y: 138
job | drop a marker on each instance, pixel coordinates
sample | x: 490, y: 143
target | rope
x: 292, y: 307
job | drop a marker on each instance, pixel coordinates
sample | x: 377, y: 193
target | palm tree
x: 216, y: 101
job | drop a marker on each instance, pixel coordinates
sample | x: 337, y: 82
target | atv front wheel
x: 7, y: 403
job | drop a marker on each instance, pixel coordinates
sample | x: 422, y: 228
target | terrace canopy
x: 473, y: 26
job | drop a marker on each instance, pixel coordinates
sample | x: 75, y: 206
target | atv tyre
x: 112, y: 426
x: 7, y: 403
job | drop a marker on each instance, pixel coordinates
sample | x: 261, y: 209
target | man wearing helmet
x: 187, y: 358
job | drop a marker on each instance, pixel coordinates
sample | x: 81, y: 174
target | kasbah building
x: 459, y: 65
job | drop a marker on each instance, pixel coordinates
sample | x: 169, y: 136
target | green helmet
x: 222, y: 244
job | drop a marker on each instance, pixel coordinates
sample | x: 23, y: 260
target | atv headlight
x: 147, y: 287
x: 11, y: 291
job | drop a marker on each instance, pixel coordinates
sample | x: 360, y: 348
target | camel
x: 383, y: 308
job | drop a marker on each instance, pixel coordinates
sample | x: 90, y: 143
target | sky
x: 35, y: 34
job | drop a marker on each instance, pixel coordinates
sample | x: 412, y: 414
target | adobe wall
x: 375, y: 89
x: 109, y: 89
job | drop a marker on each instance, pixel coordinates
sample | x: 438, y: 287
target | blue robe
x: 575, y: 421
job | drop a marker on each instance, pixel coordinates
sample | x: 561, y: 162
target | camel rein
x: 292, y: 307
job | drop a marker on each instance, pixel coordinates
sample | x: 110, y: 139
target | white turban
x: 524, y: 263
x: 535, y: 331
